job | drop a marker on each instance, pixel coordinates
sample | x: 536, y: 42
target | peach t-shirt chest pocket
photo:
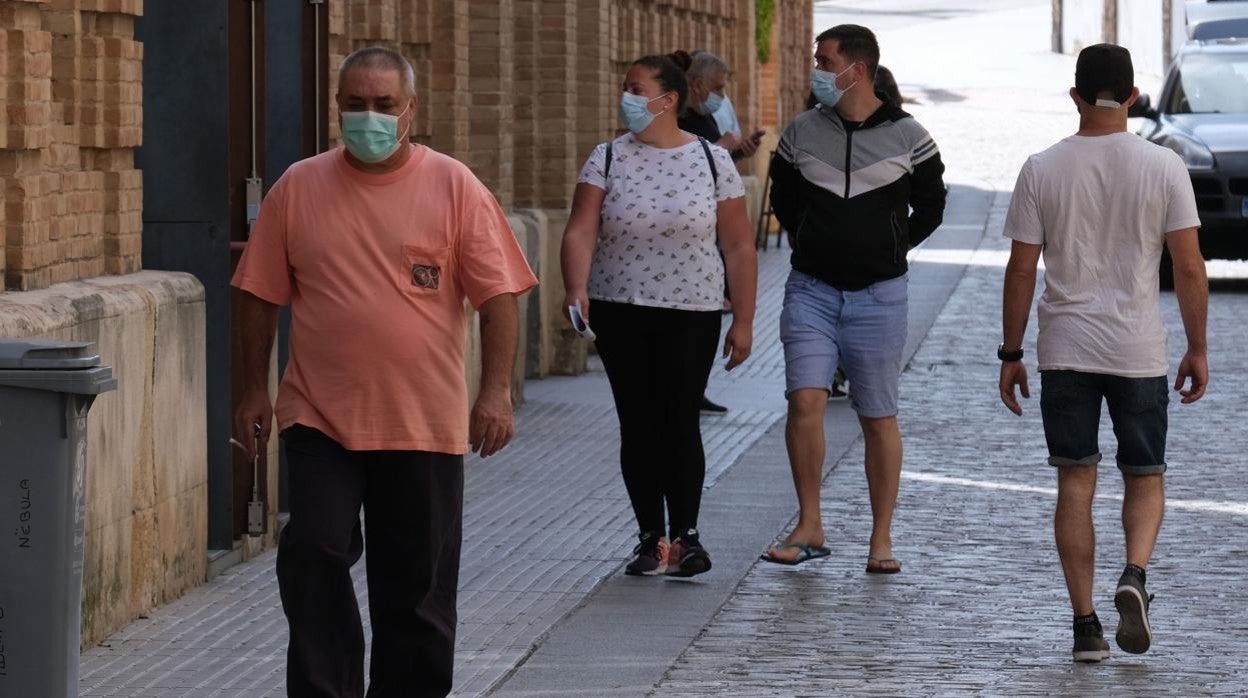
x: 425, y: 270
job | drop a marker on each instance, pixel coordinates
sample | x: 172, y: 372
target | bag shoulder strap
x: 710, y: 160
x: 706, y: 148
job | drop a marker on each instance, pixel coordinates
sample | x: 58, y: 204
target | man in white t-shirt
x: 1099, y: 206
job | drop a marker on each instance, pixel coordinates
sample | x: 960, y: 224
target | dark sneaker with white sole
x: 1132, y: 599
x: 1090, y: 644
x: 687, y: 556
x: 650, y: 556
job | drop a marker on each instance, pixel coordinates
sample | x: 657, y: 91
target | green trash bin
x: 46, y: 389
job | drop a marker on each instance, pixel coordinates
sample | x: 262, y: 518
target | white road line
x: 1202, y: 505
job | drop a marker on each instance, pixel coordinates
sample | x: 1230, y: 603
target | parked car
x: 1217, y: 19
x: 1202, y: 114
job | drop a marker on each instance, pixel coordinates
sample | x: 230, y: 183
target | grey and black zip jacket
x: 855, y: 200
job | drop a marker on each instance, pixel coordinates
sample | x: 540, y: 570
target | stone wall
x: 522, y: 90
x: 70, y: 118
x: 784, y: 80
x: 146, y: 529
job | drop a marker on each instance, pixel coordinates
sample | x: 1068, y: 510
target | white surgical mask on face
x: 712, y: 103
x: 635, y: 111
x: 823, y: 84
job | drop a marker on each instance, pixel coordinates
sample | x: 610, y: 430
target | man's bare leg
x: 1143, y: 507
x: 803, y: 436
x: 883, y: 466
x: 1076, y: 540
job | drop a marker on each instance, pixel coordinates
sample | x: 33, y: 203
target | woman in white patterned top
x: 641, y: 250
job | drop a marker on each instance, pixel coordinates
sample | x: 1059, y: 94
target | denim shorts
x: 864, y: 330
x: 1070, y: 404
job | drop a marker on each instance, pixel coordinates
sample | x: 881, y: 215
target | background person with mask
x: 375, y: 247
x: 708, y: 76
x: 641, y: 257
x: 857, y: 181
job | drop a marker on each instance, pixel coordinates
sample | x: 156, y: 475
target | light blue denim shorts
x: 865, y: 331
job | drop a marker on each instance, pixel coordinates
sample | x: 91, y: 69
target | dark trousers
x: 658, y: 361
x: 413, y: 510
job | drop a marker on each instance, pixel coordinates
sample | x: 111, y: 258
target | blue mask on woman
x: 823, y: 85
x: 635, y: 112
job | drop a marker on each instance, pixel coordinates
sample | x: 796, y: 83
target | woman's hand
x: 574, y: 296
x: 738, y: 343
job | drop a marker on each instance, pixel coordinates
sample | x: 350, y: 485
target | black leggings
x: 658, y: 361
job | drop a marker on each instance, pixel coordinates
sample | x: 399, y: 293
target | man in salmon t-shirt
x: 375, y: 247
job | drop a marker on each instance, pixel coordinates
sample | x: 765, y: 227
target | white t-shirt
x: 657, y: 237
x: 1101, y: 206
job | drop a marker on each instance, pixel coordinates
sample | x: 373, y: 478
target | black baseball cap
x: 1104, y: 68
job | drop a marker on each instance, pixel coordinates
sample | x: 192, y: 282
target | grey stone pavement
x: 545, y: 610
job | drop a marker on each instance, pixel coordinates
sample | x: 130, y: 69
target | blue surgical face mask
x: 371, y: 136
x: 635, y: 111
x: 713, y: 102
x: 823, y: 84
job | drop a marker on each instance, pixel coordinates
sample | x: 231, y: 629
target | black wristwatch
x: 1004, y: 355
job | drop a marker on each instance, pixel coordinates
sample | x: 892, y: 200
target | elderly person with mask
x: 375, y: 246
x: 708, y: 75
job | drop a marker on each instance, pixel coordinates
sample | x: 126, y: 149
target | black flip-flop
x: 879, y: 569
x: 805, y: 553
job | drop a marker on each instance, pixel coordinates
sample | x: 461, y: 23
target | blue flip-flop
x: 805, y: 553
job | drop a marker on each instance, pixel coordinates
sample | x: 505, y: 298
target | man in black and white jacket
x: 857, y: 182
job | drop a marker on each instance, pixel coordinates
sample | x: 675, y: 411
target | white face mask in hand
x: 578, y: 322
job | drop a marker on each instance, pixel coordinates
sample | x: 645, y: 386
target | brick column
x: 449, y: 100
x: 526, y: 81
x: 491, y: 111
x: 73, y: 199
x: 1055, y: 41
x: 557, y: 58
x: 1109, y: 22
x: 26, y: 59
x: 744, y: 63
x: 598, y: 84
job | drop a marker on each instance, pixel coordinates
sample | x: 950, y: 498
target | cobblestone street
x: 980, y: 607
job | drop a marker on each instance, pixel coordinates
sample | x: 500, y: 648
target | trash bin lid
x: 44, y: 354
x: 78, y: 381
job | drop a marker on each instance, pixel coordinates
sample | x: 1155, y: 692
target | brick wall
x: 521, y: 90
x: 723, y: 27
x: 70, y: 118
x: 785, y: 78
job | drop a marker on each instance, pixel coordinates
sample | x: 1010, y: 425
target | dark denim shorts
x: 1070, y: 404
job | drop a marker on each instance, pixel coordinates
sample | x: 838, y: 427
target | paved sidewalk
x: 545, y: 522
